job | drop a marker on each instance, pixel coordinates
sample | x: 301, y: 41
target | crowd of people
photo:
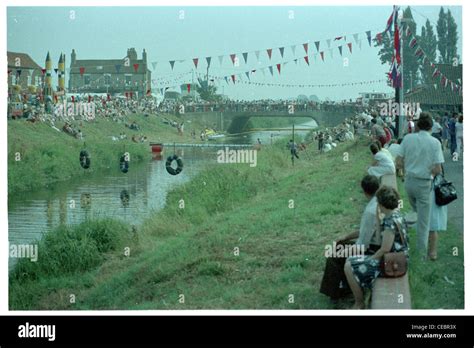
x: 418, y: 158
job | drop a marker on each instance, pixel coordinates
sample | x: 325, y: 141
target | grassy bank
x: 48, y: 156
x: 239, y: 244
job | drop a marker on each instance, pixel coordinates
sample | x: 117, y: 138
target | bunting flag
x: 208, y: 60
x: 296, y: 61
x: 135, y: 66
x: 408, y: 32
x: 293, y: 48
x: 305, y: 46
x: 356, y: 37
x: 82, y: 70
x: 349, y: 45
x: 282, y: 51
x: 245, y: 54
x: 172, y: 64
x: 56, y: 70
x: 322, y: 55
x: 412, y: 43
x: 306, y: 59
x: 220, y: 60
x: 257, y: 55
x: 43, y: 71
x: 328, y: 41
x: 118, y: 67
x: 279, y: 68
x: 189, y: 87
x: 269, y: 52
x: 360, y: 44
x: 369, y: 37
x: 196, y: 61
x: 153, y: 64
x: 271, y: 69
x: 233, y: 78
x: 340, y: 50
x: 232, y: 58
x: 316, y: 43
x: 248, y: 75
x: 226, y: 80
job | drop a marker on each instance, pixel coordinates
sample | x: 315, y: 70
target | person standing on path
x: 459, y: 136
x: 452, y: 133
x: 421, y: 156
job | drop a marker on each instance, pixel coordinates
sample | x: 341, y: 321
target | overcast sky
x: 107, y: 32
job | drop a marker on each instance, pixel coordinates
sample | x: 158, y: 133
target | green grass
x: 192, y: 251
x: 48, y: 156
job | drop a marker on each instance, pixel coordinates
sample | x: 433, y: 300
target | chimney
x: 144, y: 56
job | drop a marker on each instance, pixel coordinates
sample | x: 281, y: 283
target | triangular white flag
x: 356, y: 37
x: 220, y: 60
x: 257, y: 54
x: 293, y: 48
x: 328, y: 41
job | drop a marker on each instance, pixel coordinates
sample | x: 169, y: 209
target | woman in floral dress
x: 361, y: 271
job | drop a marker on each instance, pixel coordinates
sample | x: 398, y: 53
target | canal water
x: 130, y: 197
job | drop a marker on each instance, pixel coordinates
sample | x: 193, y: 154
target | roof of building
x: 25, y: 61
x: 435, y: 94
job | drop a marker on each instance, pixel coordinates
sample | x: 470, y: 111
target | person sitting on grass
x: 334, y: 282
x: 361, y: 271
x: 382, y: 164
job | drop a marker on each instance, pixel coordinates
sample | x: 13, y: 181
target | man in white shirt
x: 421, y: 156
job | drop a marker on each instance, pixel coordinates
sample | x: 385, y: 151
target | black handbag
x: 445, y: 192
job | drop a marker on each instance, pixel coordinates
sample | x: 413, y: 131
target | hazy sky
x: 107, y: 32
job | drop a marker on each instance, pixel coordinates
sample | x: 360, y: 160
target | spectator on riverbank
x: 293, y: 148
x: 361, y: 271
x: 377, y: 132
x: 437, y: 130
x: 459, y: 135
x: 452, y: 133
x: 421, y: 157
x: 382, y: 164
x: 438, y: 223
x: 334, y: 283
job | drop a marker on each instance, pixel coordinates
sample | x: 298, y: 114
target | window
x: 87, y: 80
x: 29, y: 80
x: 128, y: 79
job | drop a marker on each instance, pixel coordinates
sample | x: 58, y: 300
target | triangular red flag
x: 135, y: 67
x: 322, y: 55
x: 195, y: 61
x: 306, y: 59
x: 350, y: 46
x: 269, y: 51
x: 233, y: 78
x: 232, y: 58
x: 82, y: 70
x: 189, y: 87
x: 305, y: 46
x: 279, y: 68
x: 43, y: 71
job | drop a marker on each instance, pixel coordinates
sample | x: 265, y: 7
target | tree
x: 442, y: 30
x: 451, y: 40
x: 207, y: 91
x: 428, y: 42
